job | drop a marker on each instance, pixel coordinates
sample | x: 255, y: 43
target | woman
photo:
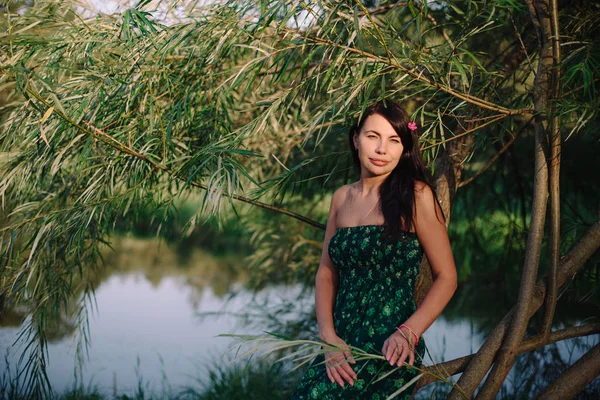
x: 377, y: 231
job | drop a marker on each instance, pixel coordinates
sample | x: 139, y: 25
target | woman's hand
x: 398, y: 347
x: 337, y: 362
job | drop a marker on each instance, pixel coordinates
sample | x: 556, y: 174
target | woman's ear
x: 355, y: 141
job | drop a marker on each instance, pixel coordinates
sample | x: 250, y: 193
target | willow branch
x: 536, y: 342
x: 114, y: 143
x: 438, y: 27
x: 387, y: 7
x: 382, y: 42
x: 419, y: 76
x: 523, y: 48
x: 268, y: 207
x: 468, y: 131
x: 570, y: 92
x: 489, y: 163
x: 77, y: 207
x: 95, y: 132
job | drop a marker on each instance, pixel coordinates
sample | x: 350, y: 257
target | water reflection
x: 155, y: 322
x: 158, y: 317
x: 158, y: 323
x: 147, y: 299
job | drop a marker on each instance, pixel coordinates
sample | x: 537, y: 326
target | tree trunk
x: 458, y: 365
x: 446, y: 184
x: 575, y: 378
x: 569, y: 265
x: 555, y: 147
x: 541, y: 13
x: 479, y: 366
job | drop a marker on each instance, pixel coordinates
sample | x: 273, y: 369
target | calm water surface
x: 148, y: 327
x: 155, y: 324
x: 160, y: 326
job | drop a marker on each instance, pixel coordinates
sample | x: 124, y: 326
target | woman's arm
x: 433, y: 236
x: 327, y: 279
x: 326, y: 287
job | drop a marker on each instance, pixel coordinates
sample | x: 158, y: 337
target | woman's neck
x: 369, y: 184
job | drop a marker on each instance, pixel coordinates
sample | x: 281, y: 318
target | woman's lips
x: 379, y: 163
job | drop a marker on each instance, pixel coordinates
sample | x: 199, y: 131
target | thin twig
x: 468, y: 131
x: 366, y: 12
x: 496, y: 156
x: 438, y: 27
x: 521, y: 42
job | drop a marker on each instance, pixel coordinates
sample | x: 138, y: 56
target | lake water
x: 160, y: 326
x: 150, y: 329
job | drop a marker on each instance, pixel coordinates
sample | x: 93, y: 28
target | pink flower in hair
x: 412, y: 126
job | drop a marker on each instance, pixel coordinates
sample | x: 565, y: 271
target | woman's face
x: 379, y: 146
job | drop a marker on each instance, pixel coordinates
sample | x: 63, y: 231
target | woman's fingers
x: 395, y: 353
x: 344, y: 374
x: 336, y: 376
x: 390, y: 351
x: 344, y: 369
x: 348, y: 369
x: 349, y: 357
x: 403, y: 356
x: 339, y: 369
x: 329, y: 374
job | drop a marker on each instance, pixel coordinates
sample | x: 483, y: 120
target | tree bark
x: 446, y: 184
x: 507, y: 355
x: 540, y: 11
x: 575, y: 378
x: 458, y: 365
x: 555, y: 147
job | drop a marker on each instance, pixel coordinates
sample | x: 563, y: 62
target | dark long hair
x: 397, y: 192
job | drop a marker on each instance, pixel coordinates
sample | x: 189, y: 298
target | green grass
x: 255, y: 380
x: 252, y: 380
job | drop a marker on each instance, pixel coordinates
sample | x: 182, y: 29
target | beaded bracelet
x: 411, y: 331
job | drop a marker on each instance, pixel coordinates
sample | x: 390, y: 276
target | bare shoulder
x: 423, y: 192
x: 340, y: 195
x: 337, y: 202
x: 426, y: 204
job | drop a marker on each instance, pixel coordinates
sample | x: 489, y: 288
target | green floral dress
x: 375, y: 295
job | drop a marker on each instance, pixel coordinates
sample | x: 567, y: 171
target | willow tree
x: 249, y: 102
